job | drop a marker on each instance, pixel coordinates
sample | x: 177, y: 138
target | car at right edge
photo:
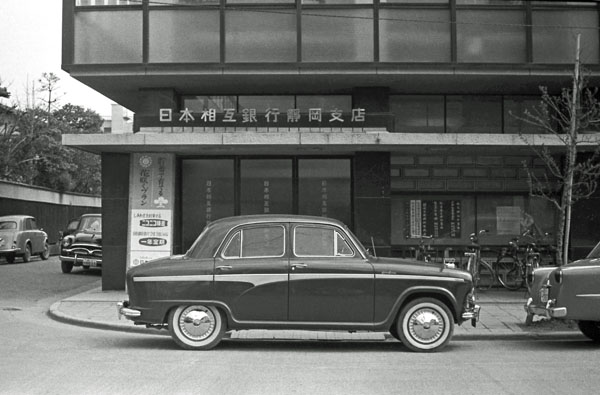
x: 569, y: 292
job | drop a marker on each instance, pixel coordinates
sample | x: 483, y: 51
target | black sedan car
x: 83, y: 247
x: 295, y: 272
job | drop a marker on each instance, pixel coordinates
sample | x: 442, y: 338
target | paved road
x: 42, y: 356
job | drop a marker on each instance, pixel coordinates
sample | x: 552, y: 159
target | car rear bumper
x: 549, y: 310
x: 124, y: 310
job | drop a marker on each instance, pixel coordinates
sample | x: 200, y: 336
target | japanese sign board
x: 437, y: 218
x: 269, y: 117
x: 151, y: 207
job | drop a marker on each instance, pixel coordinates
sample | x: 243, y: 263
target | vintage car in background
x: 569, y: 292
x: 20, y: 237
x: 295, y: 272
x: 84, y: 246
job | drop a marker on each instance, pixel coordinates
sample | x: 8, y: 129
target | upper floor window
x: 83, y: 3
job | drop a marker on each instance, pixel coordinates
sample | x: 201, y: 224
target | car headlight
x: 67, y: 241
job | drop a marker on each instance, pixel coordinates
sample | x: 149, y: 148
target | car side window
x: 8, y: 225
x: 256, y: 242
x: 315, y: 241
x: 28, y: 224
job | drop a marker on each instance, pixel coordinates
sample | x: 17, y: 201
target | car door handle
x: 299, y: 266
x: 224, y: 267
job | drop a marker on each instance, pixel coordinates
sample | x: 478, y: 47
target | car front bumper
x: 549, y: 310
x: 472, y: 314
x: 82, y: 260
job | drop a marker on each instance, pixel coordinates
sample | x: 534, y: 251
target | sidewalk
x: 502, y: 317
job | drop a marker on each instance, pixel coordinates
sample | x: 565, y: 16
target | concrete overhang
x: 282, y: 143
x: 126, y: 83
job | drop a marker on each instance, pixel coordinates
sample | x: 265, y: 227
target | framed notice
x: 151, y: 207
x: 437, y: 218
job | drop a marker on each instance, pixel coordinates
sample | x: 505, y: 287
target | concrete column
x: 115, y: 204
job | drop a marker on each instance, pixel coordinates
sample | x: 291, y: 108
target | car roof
x: 262, y: 218
x: 16, y: 217
x: 91, y: 215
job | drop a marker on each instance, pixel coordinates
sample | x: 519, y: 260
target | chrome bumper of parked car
x: 124, y: 310
x: 472, y: 314
x: 548, y: 310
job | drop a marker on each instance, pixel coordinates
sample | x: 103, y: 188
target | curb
x: 55, y: 313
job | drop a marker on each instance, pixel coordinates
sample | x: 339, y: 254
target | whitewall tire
x: 196, y: 327
x: 425, y: 325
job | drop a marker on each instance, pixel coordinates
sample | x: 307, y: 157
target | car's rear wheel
x: 590, y: 329
x: 27, y: 253
x: 66, y: 267
x: 425, y: 325
x: 196, y: 327
x: 46, y: 253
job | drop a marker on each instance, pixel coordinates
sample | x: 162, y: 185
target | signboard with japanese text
x: 508, y: 220
x: 437, y: 218
x: 270, y: 117
x: 151, y: 207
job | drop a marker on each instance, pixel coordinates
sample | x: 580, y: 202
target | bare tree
x: 49, y: 86
x: 572, y: 118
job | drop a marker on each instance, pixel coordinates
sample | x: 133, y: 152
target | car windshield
x: 8, y: 225
x: 595, y: 253
x: 91, y: 225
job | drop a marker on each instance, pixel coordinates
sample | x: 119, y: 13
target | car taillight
x: 558, y: 276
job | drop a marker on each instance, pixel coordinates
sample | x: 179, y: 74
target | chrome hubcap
x: 197, y: 323
x: 426, y: 325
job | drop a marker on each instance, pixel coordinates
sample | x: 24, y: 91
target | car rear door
x: 251, y: 272
x: 329, y: 280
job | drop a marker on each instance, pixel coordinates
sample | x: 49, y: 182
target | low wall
x: 52, y: 209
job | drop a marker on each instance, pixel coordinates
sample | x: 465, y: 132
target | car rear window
x: 8, y: 225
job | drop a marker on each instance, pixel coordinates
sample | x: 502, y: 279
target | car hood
x: 415, y: 267
x: 89, y: 238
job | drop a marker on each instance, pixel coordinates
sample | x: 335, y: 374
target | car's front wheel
x: 425, y: 325
x: 27, y: 253
x: 46, y: 253
x: 590, y: 329
x: 66, y: 267
x: 196, y: 327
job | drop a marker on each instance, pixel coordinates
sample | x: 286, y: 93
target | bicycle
x: 423, y: 251
x: 477, y: 266
x: 515, y: 270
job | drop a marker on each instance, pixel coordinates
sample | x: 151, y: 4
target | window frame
x: 241, y: 230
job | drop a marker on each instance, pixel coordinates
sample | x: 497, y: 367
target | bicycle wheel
x: 509, y: 273
x: 485, y: 276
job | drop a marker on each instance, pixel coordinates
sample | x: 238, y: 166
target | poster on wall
x: 508, y: 220
x: 151, y: 207
x: 437, y: 218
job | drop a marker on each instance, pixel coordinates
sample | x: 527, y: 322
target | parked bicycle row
x: 509, y: 266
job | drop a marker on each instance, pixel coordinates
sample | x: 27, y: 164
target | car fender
x: 417, y: 292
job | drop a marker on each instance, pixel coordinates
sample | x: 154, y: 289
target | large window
x: 341, y: 35
x: 266, y: 186
x: 474, y: 114
x: 324, y: 188
x: 260, y: 35
x: 316, y: 241
x: 184, y: 36
x: 418, y: 114
x: 414, y: 35
x: 207, y: 194
x: 108, y: 37
x: 491, y: 37
x: 555, y: 33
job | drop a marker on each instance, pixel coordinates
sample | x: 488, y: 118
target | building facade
x: 401, y: 118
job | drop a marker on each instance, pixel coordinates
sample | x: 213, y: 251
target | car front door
x: 251, y: 273
x: 329, y: 280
